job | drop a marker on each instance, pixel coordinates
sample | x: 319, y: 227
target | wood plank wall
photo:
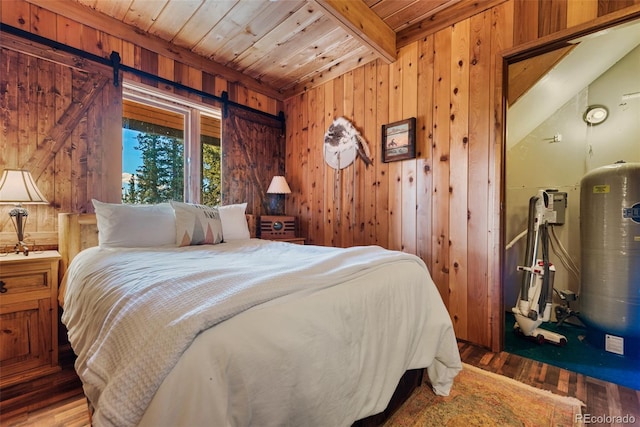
x: 445, y: 205
x: 48, y: 85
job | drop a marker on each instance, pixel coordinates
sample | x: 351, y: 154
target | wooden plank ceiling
x: 285, y: 44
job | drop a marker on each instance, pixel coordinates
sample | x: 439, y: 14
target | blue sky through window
x: 131, y: 159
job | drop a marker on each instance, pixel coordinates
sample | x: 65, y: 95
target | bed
x: 247, y: 331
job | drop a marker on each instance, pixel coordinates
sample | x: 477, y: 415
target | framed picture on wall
x: 399, y: 140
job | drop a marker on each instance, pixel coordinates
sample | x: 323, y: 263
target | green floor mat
x: 577, y: 355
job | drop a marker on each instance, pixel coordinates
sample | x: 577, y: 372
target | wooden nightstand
x: 28, y: 316
x: 297, y: 240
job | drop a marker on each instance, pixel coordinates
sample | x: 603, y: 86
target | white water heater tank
x: 610, y: 249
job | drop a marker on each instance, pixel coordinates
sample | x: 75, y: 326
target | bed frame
x: 79, y: 231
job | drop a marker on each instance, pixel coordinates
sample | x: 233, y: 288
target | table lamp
x: 277, y: 187
x: 17, y: 187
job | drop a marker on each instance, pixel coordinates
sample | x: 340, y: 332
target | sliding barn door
x: 61, y: 120
x: 253, y: 147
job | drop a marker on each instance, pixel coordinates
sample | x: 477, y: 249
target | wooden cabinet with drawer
x: 28, y: 316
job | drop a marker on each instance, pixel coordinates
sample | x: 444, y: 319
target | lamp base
x: 19, y: 218
x: 276, y: 204
x: 21, y: 247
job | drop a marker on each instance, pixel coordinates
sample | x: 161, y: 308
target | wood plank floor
x: 57, y: 400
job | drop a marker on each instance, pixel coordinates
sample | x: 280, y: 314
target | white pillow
x: 196, y: 224
x: 234, y: 222
x: 135, y: 226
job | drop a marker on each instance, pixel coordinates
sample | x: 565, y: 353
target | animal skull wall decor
x: 342, y: 142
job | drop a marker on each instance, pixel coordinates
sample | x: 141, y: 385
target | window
x: 170, y: 148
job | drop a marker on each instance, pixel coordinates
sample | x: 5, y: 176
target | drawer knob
x: 2, y: 288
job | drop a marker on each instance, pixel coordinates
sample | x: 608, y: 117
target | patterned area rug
x: 481, y: 398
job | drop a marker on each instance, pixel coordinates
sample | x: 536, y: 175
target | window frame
x: 192, y: 112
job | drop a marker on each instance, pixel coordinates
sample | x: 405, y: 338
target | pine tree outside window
x: 171, y: 148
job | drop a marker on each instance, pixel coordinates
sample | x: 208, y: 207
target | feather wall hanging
x: 342, y: 144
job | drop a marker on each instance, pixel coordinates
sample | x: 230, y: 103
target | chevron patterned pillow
x: 197, y: 224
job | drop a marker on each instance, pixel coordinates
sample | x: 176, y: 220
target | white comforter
x: 290, y: 347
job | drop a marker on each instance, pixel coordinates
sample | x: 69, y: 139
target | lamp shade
x: 278, y: 186
x: 17, y: 186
